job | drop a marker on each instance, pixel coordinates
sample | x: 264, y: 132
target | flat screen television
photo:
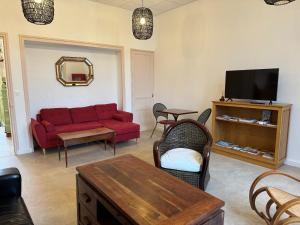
x: 259, y: 84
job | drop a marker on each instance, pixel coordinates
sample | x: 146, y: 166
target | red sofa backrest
x: 64, y: 116
x: 106, y: 111
x: 56, y: 116
x: 84, y: 114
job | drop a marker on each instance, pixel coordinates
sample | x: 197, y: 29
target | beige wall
x: 79, y: 20
x: 197, y: 43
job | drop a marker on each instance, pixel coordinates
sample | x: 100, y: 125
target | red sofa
x: 50, y: 122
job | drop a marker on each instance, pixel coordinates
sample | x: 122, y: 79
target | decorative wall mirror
x: 74, y: 71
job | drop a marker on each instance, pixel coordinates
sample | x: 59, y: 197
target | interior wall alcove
x: 41, y: 88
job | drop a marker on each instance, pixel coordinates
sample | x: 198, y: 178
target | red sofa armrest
x: 38, y: 117
x: 123, y: 116
x: 39, y: 133
x: 49, y: 126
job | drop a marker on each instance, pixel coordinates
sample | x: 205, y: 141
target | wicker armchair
x: 186, y: 134
x: 204, y: 116
x: 157, y: 112
x: 286, y: 203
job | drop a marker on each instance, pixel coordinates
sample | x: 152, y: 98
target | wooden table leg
x: 114, y: 148
x: 175, y: 117
x: 58, y: 152
x: 66, y: 156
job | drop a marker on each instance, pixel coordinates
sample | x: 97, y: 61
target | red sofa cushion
x: 84, y: 114
x: 56, y: 116
x: 78, y: 127
x: 72, y: 128
x: 126, y: 137
x: 123, y: 116
x: 106, y: 111
x: 49, y: 126
x: 121, y: 127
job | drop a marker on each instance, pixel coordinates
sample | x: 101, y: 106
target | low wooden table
x: 177, y: 112
x: 81, y: 137
x: 128, y: 191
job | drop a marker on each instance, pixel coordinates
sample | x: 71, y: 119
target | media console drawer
x: 107, y: 211
x: 218, y: 218
x: 85, y: 217
x: 93, y: 209
x: 87, y: 196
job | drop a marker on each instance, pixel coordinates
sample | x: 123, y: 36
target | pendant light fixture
x: 278, y: 2
x: 142, y: 23
x: 40, y: 12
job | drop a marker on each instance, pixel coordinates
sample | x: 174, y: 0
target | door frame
x: 132, y: 50
x: 11, y: 101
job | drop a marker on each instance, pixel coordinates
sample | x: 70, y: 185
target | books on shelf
x: 251, y: 151
x: 268, y: 155
x: 224, y: 144
x: 247, y: 149
x: 271, y: 125
x: 229, y: 118
x: 245, y: 120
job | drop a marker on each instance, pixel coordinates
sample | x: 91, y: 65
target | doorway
x: 6, y: 141
x: 142, y: 69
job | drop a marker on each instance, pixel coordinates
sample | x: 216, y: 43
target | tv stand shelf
x: 268, y: 138
x: 250, y: 124
x: 249, y: 157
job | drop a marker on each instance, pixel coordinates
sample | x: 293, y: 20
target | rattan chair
x: 204, y: 116
x: 186, y: 134
x: 287, y: 205
x: 157, y: 112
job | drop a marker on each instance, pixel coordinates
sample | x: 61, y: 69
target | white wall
x: 46, y: 92
x: 197, y: 43
x: 80, y: 20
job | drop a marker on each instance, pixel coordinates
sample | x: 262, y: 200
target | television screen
x: 252, y: 84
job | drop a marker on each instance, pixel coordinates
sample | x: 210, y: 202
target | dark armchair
x: 13, y: 210
x: 191, y: 135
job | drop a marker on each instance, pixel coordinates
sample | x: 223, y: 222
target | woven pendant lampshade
x: 40, y: 12
x: 278, y: 2
x: 142, y: 23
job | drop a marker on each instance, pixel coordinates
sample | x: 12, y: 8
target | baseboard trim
x: 292, y: 163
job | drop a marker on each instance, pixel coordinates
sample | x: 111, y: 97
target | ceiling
x: 157, y: 6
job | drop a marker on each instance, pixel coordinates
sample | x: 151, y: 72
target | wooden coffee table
x: 177, y: 112
x: 128, y: 191
x: 86, y: 136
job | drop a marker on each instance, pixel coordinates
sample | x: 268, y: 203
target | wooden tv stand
x: 268, y: 138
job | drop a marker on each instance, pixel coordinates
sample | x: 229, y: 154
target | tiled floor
x: 49, y: 187
x: 6, y: 145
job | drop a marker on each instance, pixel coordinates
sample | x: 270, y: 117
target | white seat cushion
x: 182, y: 159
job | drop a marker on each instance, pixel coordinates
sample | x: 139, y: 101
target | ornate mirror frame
x: 59, y: 75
